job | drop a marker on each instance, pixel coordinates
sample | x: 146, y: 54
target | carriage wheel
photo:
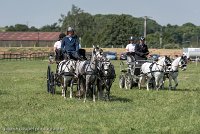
x: 128, y: 82
x: 48, y: 78
x: 121, y: 81
x: 52, y: 83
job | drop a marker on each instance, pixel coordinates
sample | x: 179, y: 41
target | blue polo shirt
x: 70, y: 44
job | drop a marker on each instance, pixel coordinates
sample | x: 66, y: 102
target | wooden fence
x: 24, y: 55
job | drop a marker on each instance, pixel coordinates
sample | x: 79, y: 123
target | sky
x: 42, y: 12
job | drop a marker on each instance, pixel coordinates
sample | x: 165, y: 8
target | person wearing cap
x: 141, y: 50
x: 130, y: 48
x: 57, y: 48
x: 70, y: 44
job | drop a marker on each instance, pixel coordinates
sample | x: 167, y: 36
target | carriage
x: 53, y: 78
x: 130, y: 71
x: 86, y: 74
x: 134, y: 71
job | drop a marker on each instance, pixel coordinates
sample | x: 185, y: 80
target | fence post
x: 10, y: 56
x: 4, y: 55
x: 196, y: 60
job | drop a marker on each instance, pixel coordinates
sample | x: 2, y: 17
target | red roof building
x: 28, y: 38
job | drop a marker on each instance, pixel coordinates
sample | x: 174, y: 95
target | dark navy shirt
x: 70, y: 44
x: 141, y: 50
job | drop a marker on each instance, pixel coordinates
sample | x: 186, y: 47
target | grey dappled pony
x: 131, y: 63
x: 172, y: 71
x: 154, y: 70
x: 87, y: 72
x: 66, y: 69
x: 106, y: 78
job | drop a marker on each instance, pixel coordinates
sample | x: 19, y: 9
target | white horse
x: 153, y: 70
x: 87, y: 72
x: 172, y: 71
x: 66, y: 69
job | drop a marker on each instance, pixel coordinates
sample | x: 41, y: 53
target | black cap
x: 142, y: 38
x: 62, y: 35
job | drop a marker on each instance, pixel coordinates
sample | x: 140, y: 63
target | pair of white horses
x: 70, y: 70
x: 158, y: 69
x: 86, y: 73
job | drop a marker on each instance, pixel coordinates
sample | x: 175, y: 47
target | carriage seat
x: 79, y: 56
x: 82, y: 54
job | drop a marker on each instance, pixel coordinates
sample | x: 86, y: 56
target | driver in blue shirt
x: 70, y: 44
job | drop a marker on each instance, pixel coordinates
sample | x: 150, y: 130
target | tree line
x: 114, y: 30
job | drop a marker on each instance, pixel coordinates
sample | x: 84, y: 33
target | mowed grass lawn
x: 26, y: 107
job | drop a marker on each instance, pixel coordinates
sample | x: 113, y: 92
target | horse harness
x: 92, y: 72
x: 66, y: 73
x: 151, y: 71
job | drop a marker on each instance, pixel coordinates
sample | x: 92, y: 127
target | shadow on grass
x: 2, y: 92
x: 58, y: 92
x: 188, y: 89
x: 185, y: 89
x: 177, y: 89
x: 116, y: 98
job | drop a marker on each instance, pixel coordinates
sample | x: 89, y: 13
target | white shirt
x: 57, y: 45
x: 130, y: 47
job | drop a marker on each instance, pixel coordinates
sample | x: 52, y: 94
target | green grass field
x: 26, y: 107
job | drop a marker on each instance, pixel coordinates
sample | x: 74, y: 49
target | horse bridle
x: 106, y: 62
x: 167, y: 62
x: 183, y: 62
x: 93, y: 63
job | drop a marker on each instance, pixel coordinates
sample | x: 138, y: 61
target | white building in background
x: 192, y: 53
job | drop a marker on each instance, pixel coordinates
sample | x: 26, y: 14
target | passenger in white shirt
x: 57, y: 45
x: 130, y: 48
x: 57, y: 48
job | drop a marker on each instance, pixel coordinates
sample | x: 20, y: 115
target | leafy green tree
x: 153, y: 40
x: 10, y: 28
x: 17, y: 27
x: 72, y: 18
x: 33, y: 29
x: 21, y: 27
x: 50, y: 28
